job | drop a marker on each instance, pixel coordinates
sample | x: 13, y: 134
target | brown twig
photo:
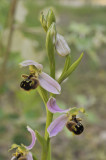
x: 11, y: 19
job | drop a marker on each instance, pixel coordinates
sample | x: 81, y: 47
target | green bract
x: 50, y: 40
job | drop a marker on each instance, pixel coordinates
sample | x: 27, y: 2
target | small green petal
x: 82, y: 110
x: 13, y: 147
x: 40, y: 138
x: 75, y: 111
x: 43, y: 21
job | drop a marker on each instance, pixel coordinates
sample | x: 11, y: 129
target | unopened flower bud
x: 50, y: 18
x: 61, y: 45
x: 43, y: 21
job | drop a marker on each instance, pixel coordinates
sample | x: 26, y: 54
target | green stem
x: 46, y: 152
x: 48, y: 121
x: 46, y: 149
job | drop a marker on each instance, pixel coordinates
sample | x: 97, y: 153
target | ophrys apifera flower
x: 68, y: 119
x: 38, y: 78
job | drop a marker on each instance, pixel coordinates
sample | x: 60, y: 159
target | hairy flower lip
x: 33, y: 138
x: 45, y: 81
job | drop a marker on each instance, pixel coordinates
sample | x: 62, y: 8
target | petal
x: 29, y: 156
x: 13, y: 158
x: 53, y: 107
x: 33, y: 138
x: 57, y: 125
x: 62, y: 46
x: 49, y: 83
x: 31, y: 62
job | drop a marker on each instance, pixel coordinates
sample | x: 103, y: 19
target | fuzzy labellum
x: 75, y: 126
x: 29, y: 83
x: 20, y: 156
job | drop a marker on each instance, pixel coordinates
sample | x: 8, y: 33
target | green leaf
x: 66, y: 65
x: 40, y: 138
x: 71, y: 69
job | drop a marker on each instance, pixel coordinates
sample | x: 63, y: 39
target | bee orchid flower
x: 68, y: 119
x: 23, y: 152
x: 37, y: 77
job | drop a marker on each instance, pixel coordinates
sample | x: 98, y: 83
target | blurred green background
x: 83, y: 23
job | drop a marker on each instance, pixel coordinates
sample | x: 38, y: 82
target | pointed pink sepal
x: 53, y: 107
x: 49, y: 84
x: 57, y: 125
x: 33, y: 138
x: 13, y: 158
x: 31, y: 62
x: 29, y: 156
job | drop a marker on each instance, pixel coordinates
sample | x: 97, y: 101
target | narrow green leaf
x: 40, y: 138
x: 71, y: 69
x: 66, y: 65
